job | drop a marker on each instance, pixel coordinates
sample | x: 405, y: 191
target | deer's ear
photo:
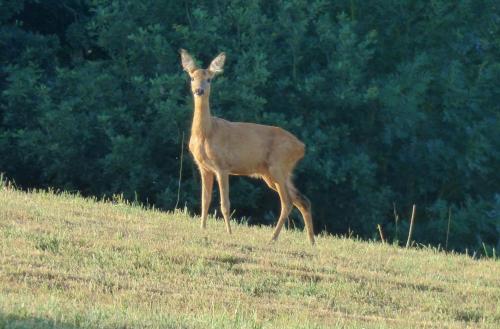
x: 188, y: 63
x: 217, y: 64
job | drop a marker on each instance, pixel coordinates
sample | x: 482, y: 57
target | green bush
x: 397, y: 102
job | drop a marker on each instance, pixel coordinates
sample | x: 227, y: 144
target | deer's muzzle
x: 199, y: 92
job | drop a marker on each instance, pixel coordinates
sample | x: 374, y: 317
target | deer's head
x: 201, y: 78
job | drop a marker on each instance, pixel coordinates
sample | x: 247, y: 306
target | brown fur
x: 222, y: 148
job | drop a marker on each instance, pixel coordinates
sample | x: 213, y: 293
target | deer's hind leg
x: 304, y: 205
x: 278, y: 181
x: 269, y: 181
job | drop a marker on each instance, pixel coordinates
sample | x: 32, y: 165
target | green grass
x: 70, y: 262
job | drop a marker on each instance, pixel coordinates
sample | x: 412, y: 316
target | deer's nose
x: 199, y: 92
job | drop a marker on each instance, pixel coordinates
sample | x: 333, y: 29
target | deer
x: 221, y: 148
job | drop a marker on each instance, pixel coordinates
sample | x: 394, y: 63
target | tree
x: 395, y: 100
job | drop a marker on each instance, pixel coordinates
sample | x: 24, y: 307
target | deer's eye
x: 192, y: 79
x: 208, y: 80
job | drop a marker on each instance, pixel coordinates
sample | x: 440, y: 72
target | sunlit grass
x: 70, y: 262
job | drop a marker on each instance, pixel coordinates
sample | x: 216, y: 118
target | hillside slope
x: 70, y: 262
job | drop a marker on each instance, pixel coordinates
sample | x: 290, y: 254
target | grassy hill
x: 70, y: 262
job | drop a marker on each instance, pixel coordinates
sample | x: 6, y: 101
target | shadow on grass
x: 11, y: 321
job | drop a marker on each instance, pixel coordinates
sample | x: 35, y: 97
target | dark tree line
x: 398, y: 102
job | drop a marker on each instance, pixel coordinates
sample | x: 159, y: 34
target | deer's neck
x: 202, y: 120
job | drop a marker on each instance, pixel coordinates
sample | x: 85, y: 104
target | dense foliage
x: 396, y: 100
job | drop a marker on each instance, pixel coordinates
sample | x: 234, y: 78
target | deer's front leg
x: 207, y: 184
x: 223, y: 180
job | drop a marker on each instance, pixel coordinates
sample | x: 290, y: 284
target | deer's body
x: 222, y: 148
x: 246, y: 149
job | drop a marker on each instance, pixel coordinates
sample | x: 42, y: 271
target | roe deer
x: 222, y: 148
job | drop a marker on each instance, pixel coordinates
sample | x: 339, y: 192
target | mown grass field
x: 70, y: 262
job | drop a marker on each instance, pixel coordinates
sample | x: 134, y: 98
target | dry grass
x: 69, y: 262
